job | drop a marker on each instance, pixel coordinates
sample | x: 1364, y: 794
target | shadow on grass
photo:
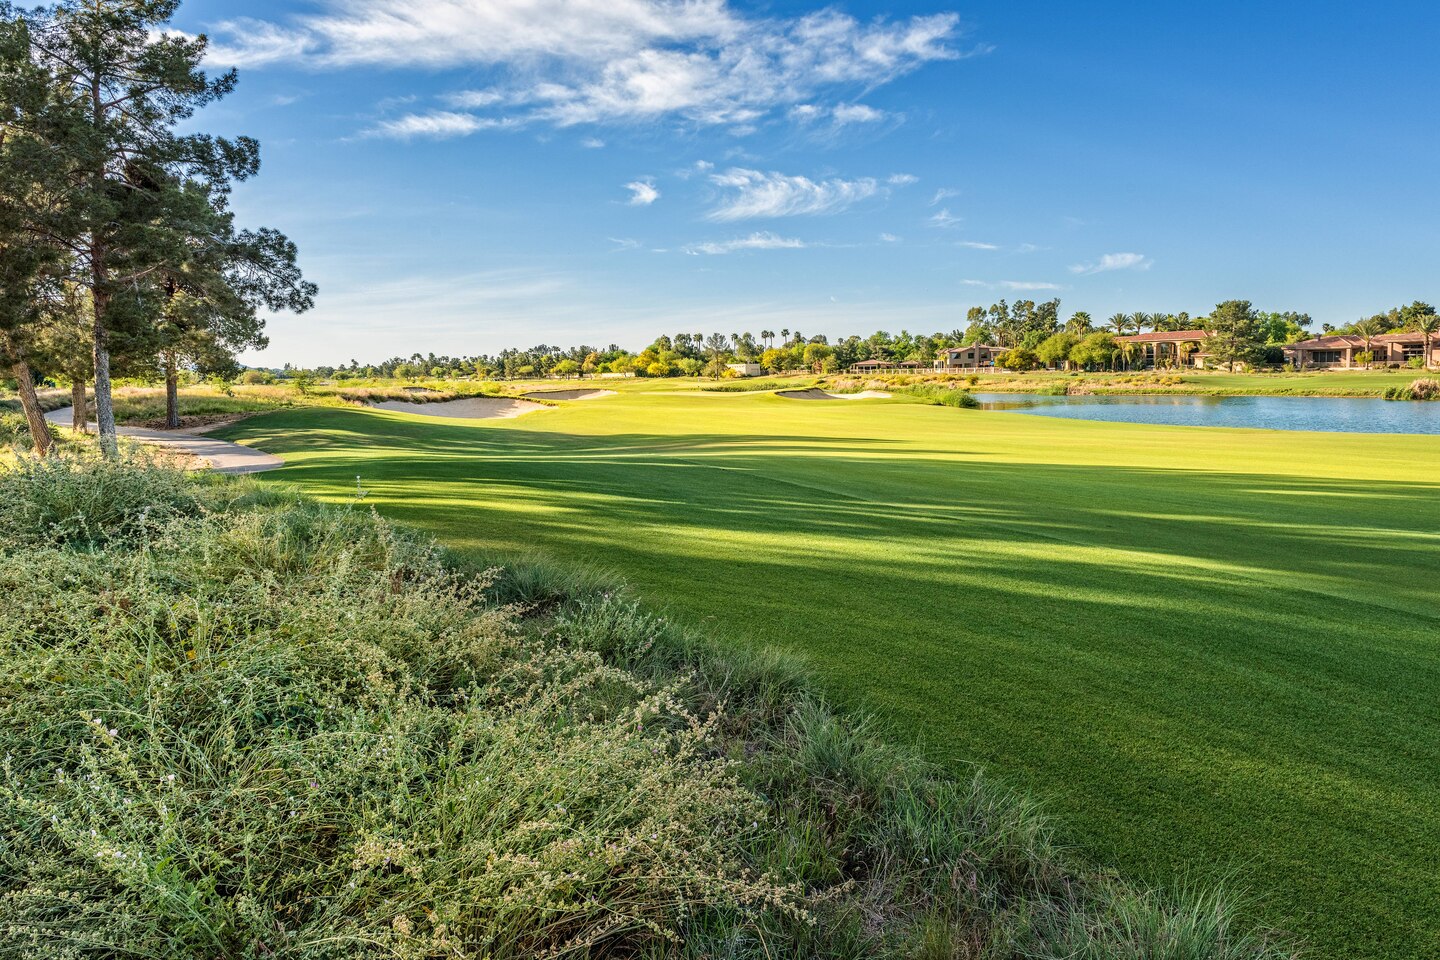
x: 1204, y: 669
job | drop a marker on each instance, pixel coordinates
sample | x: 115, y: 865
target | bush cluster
x: 1423, y: 389
x: 238, y: 724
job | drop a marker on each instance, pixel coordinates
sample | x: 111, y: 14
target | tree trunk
x: 104, y: 405
x: 34, y: 416
x: 80, y: 417
x: 172, y: 392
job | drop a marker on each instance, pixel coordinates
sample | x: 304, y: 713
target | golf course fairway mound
x: 568, y: 394
x: 815, y: 393
x: 471, y: 408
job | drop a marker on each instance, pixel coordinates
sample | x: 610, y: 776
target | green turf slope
x: 1213, y: 652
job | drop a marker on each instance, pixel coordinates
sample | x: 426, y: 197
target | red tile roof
x: 1163, y: 336
x: 1337, y: 341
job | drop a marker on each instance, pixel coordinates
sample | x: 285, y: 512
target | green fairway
x: 1213, y: 653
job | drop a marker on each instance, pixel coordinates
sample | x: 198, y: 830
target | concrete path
x: 222, y: 457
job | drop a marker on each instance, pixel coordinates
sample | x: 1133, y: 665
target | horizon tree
x: 1427, y: 325
x: 1235, y: 333
x: 1367, y: 330
x: 718, y: 344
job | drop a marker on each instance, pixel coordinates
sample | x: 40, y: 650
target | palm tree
x: 1185, y: 348
x: 1120, y: 323
x: 1427, y: 326
x: 1367, y: 330
x: 1127, y: 350
x: 1139, y: 321
x: 786, y: 334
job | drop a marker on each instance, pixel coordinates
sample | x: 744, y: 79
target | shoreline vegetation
x: 345, y: 739
x: 140, y: 404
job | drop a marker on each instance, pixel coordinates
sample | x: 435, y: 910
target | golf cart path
x: 222, y: 457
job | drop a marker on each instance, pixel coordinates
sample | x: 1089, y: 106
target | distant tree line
x: 1033, y: 335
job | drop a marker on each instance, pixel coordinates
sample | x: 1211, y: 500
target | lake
x: 1326, y: 414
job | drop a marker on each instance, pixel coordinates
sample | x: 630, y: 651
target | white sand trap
x: 815, y: 393
x: 470, y: 408
x: 568, y: 394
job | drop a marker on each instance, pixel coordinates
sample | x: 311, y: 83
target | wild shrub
x: 296, y: 732
x: 1423, y: 389
x: 14, y: 431
x: 83, y: 500
x: 940, y: 396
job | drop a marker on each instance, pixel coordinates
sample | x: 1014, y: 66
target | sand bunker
x: 815, y: 393
x: 470, y: 408
x: 568, y: 394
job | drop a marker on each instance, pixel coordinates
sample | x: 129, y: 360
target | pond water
x: 1326, y: 414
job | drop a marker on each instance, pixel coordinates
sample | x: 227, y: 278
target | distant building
x: 746, y: 369
x: 976, y: 356
x: 1341, y: 350
x: 1178, y: 348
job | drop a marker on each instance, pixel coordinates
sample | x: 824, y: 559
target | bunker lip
x: 815, y: 393
x: 568, y: 394
x: 468, y: 408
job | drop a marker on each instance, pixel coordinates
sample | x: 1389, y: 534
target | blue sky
x: 465, y: 175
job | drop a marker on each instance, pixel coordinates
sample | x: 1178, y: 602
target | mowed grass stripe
x: 1213, y: 651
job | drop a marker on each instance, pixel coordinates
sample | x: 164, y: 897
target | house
x: 872, y: 366
x: 973, y: 357
x: 746, y: 369
x: 1340, y: 350
x: 1161, y: 348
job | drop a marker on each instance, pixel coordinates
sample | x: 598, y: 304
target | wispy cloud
x: 753, y: 193
x: 624, y: 243
x: 889, y: 238
x: 761, y: 240
x: 439, y: 125
x: 977, y: 245
x: 1029, y: 285
x: 944, y: 193
x: 945, y: 219
x: 567, y: 62
x: 856, y: 113
x: 593, y: 143
x: 1113, y: 261
x: 902, y: 179
x: 642, y: 192
x: 1018, y: 286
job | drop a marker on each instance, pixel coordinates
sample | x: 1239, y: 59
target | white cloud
x: 1113, y: 261
x: 902, y: 179
x: 474, y: 99
x: 944, y: 193
x: 440, y: 124
x: 756, y: 241
x: 977, y: 245
x: 1028, y: 285
x: 945, y: 219
x: 642, y: 192
x: 889, y: 238
x: 856, y: 113
x: 567, y: 62
x: 753, y: 193
x: 593, y: 143
x: 1016, y: 285
x: 625, y: 243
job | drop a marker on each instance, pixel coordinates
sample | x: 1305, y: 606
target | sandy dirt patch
x: 568, y: 394
x: 470, y: 408
x: 815, y: 393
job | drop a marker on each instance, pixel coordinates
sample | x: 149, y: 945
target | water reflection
x: 1325, y: 414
